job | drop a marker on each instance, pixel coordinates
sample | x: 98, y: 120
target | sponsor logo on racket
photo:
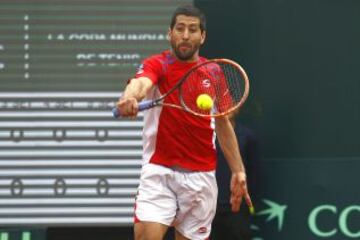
x: 206, y: 83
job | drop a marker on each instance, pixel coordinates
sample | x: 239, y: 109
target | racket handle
x: 142, y: 106
x: 146, y: 105
x: 116, y: 112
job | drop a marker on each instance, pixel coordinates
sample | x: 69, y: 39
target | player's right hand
x: 128, y: 107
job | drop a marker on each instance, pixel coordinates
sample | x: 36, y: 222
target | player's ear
x: 168, y: 36
x: 203, y: 37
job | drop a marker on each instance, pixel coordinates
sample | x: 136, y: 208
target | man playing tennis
x: 177, y: 184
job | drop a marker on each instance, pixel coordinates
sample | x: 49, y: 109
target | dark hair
x: 189, y: 10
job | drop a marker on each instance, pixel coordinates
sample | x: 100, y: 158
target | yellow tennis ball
x: 204, y: 102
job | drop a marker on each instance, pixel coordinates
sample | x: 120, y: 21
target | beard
x: 186, y: 54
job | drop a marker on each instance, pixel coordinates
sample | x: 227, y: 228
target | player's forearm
x: 229, y: 145
x: 137, y: 88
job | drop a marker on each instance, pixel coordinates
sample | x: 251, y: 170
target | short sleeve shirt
x: 172, y: 137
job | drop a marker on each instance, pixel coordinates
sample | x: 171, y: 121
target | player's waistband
x: 180, y: 169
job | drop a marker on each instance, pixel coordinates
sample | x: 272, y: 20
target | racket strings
x: 197, y: 83
x: 232, y: 87
x: 222, y: 81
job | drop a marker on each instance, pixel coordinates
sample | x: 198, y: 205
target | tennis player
x: 177, y: 184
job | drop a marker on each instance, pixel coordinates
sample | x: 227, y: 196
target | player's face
x: 186, y: 37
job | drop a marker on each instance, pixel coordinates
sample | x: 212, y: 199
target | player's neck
x: 193, y: 59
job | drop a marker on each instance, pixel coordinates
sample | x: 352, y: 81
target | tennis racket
x: 225, y: 81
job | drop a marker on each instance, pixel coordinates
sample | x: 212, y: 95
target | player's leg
x: 197, y: 196
x: 179, y: 236
x: 149, y: 231
x: 155, y: 204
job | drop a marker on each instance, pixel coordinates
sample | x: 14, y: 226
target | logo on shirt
x: 140, y: 69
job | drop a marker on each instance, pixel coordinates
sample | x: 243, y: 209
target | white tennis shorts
x: 185, y: 200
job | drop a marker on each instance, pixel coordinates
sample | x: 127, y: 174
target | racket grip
x: 142, y: 106
x: 146, y: 105
x: 116, y: 112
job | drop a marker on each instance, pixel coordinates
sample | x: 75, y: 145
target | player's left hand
x: 239, y: 190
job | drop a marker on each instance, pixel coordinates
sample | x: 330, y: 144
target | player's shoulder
x: 159, y: 61
x: 203, y: 59
x: 155, y: 63
x: 160, y: 57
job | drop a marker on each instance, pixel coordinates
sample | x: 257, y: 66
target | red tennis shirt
x: 172, y: 137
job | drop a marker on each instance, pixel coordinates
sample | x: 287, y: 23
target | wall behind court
x: 64, y: 160
x: 303, y: 59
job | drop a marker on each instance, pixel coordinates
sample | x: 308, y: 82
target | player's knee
x: 149, y: 231
x: 147, y: 236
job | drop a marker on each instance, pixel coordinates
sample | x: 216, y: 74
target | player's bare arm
x: 229, y: 145
x: 134, y: 92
